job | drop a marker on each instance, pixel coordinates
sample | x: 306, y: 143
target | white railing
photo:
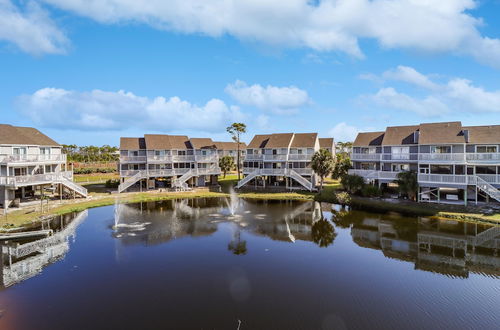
x: 34, y: 179
x: 303, y: 171
x: 488, y: 188
x: 32, y: 158
x: 300, y: 179
x: 183, y: 158
x: 207, y: 158
x: 356, y: 156
x: 369, y: 174
x: 253, y: 172
x: 443, y: 178
x: 388, y: 175
x: 272, y: 171
x: 74, y: 186
x: 132, y: 159
x: 393, y: 156
x: 155, y: 158
x: 483, y: 157
x: 459, y: 157
x: 251, y: 157
x: 275, y: 157
x: 292, y: 157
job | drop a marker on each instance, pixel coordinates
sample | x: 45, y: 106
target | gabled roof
x: 259, y: 141
x: 229, y: 145
x: 368, y: 139
x: 24, y: 136
x: 326, y: 142
x: 180, y: 142
x: 398, y: 135
x: 202, y: 143
x: 483, y: 134
x: 129, y: 143
x: 157, y: 142
x: 279, y: 140
x: 304, y: 140
x: 435, y: 133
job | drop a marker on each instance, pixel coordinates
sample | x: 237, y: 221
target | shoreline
x: 20, y: 219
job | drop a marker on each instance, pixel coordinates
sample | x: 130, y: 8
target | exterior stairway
x: 487, y: 235
x: 73, y: 186
x: 131, y: 180
x: 247, y: 179
x: 300, y: 179
x: 488, y: 188
x: 180, y: 183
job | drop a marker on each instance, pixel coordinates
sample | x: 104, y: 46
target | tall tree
x: 408, y: 183
x: 236, y: 130
x: 342, y: 165
x: 226, y: 163
x: 322, y: 164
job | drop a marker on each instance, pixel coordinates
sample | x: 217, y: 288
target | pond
x: 229, y: 264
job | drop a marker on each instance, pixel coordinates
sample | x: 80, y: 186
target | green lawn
x: 94, y: 178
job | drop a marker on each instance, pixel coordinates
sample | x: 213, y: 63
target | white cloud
x: 103, y: 110
x: 343, y: 132
x: 30, y: 29
x: 410, y: 75
x: 444, y: 26
x: 272, y: 98
x: 458, y: 94
x: 429, y: 106
x: 262, y: 122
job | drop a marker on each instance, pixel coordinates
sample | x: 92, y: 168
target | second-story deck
x: 32, y: 158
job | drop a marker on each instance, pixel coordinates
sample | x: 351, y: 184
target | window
x: 368, y: 166
x: 441, y: 149
x: 400, y: 167
x: 486, y: 149
x: 19, y: 151
x: 459, y: 169
x: 310, y: 151
x: 485, y: 170
x: 44, y: 151
x: 441, y: 169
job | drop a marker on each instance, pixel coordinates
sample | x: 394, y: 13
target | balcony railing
x: 304, y: 171
x: 133, y: 159
x: 443, y: 178
x: 483, y: 157
x: 213, y: 170
x: 460, y: 157
x: 292, y: 157
x: 35, y: 178
x: 275, y: 157
x: 251, y: 157
x: 400, y: 157
x: 207, y: 158
x: 158, y: 158
x: 32, y: 158
x: 375, y: 157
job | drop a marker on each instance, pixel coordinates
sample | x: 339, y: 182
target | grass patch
x: 94, y: 178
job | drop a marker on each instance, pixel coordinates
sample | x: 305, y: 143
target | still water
x: 215, y: 264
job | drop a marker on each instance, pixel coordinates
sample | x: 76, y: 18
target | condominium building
x: 167, y: 161
x: 31, y: 163
x: 282, y: 160
x: 231, y: 149
x: 454, y: 163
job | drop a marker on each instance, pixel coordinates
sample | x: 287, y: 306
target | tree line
x: 88, y: 154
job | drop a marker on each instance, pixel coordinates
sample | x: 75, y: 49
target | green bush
x: 369, y: 190
x: 91, y: 170
x: 112, y: 183
x: 353, y: 183
x: 343, y: 198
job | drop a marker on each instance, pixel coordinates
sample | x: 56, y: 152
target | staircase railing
x: 179, y: 182
x: 487, y: 235
x: 488, y: 188
x: 300, y: 179
x: 74, y: 186
x: 130, y: 181
x: 247, y: 179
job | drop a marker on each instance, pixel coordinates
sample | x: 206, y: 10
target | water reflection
x: 441, y: 246
x: 23, y: 259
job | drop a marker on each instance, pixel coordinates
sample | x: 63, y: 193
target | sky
x: 90, y: 71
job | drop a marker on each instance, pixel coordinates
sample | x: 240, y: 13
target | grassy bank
x: 95, y: 177
x: 101, y: 197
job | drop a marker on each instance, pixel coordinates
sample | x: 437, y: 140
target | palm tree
x: 236, y: 129
x: 342, y: 165
x: 226, y: 163
x: 408, y: 183
x: 237, y: 246
x: 322, y: 164
x: 323, y: 233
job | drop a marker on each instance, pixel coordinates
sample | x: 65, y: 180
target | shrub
x: 343, y: 198
x: 369, y: 190
x: 353, y: 183
x: 112, y: 183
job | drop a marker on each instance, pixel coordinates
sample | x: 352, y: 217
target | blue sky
x: 88, y: 72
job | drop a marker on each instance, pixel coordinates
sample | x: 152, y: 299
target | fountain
x: 135, y: 226
x: 232, y: 203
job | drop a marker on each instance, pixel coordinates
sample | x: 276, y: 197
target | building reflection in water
x: 22, y: 259
x: 443, y: 246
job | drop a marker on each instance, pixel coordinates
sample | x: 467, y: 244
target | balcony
x: 38, y: 158
x: 159, y: 159
x: 372, y: 157
x: 35, y: 179
x: 275, y: 157
x: 299, y: 157
x: 183, y: 158
x: 491, y: 157
x: 252, y: 157
x: 454, y: 158
x: 303, y: 171
x: 207, y: 158
x: 133, y: 159
x: 375, y: 174
x: 400, y: 157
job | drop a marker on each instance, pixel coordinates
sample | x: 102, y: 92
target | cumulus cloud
x: 272, y: 98
x: 104, y: 110
x: 456, y: 94
x: 30, y: 28
x: 324, y: 25
x: 344, y: 132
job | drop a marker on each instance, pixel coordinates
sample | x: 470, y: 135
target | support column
x: 439, y: 195
x: 465, y: 196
